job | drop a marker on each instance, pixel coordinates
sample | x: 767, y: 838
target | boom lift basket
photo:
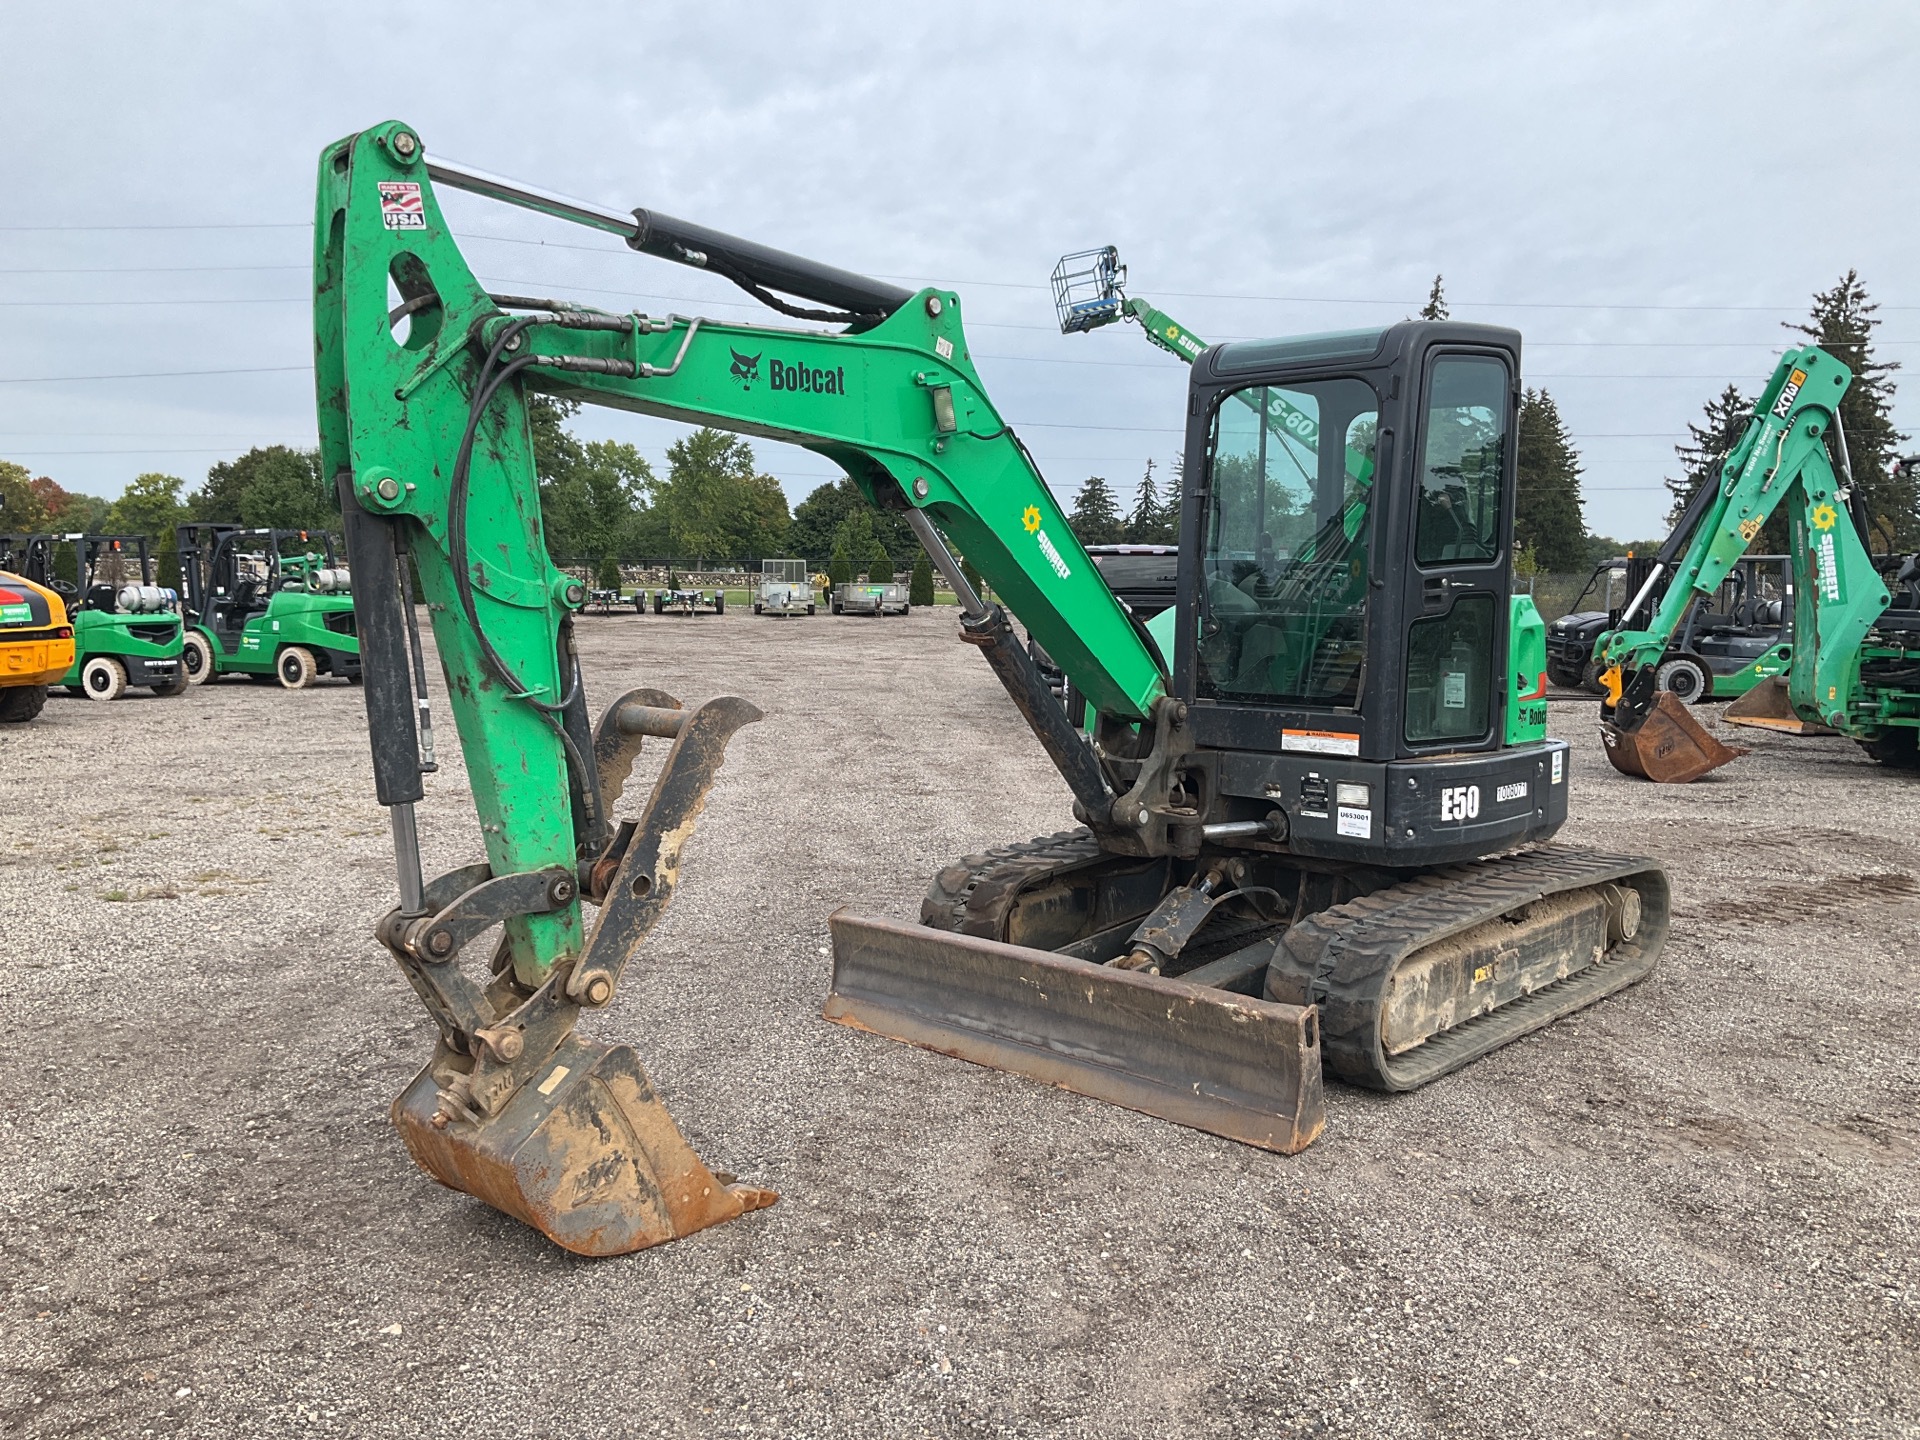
x: 1087, y: 289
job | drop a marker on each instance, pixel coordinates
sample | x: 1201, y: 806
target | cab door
x: 1459, y: 562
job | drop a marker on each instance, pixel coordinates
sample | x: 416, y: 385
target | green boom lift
x: 263, y: 602
x: 126, y: 629
x: 1281, y: 865
x: 1854, y: 664
x: 1090, y: 292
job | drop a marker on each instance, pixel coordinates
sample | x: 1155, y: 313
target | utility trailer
x: 862, y: 597
x: 784, y: 589
x: 605, y: 602
x: 126, y: 630
x: 689, y: 602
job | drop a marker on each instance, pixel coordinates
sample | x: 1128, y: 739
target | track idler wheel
x: 586, y: 1154
x: 1652, y: 735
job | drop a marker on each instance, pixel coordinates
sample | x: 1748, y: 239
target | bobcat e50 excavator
x: 1854, y: 663
x: 1285, y: 817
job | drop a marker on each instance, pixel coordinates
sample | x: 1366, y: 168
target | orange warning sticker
x: 1320, y: 742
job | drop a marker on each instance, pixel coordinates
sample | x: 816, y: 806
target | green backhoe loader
x: 1286, y: 811
x: 266, y: 604
x: 126, y: 630
x: 1853, y: 662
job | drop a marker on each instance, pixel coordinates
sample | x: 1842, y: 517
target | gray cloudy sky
x: 1645, y: 190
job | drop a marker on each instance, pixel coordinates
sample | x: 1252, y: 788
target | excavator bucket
x: 1668, y: 746
x: 587, y: 1155
x: 1767, y: 706
x: 1227, y: 1063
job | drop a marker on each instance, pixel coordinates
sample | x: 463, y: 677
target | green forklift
x: 126, y: 633
x: 265, y: 603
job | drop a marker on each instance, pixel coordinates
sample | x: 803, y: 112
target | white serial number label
x: 1354, y: 822
x: 1515, y: 791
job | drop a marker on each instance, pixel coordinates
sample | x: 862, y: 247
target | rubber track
x: 1340, y: 958
x: 972, y: 896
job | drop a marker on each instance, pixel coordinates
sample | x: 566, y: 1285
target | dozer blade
x: 1767, y: 706
x: 586, y: 1154
x: 1237, y: 1067
x: 1668, y: 746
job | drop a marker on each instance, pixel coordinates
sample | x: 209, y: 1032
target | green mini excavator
x: 1285, y: 814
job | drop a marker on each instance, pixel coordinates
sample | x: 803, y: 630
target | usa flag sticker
x: 400, y: 205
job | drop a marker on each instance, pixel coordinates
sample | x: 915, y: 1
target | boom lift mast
x: 1264, y: 818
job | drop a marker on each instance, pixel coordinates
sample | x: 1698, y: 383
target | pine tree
x: 1547, y: 516
x: 1147, y: 525
x: 1171, y: 502
x: 1436, y: 306
x: 1714, y: 435
x: 1842, y: 323
x: 920, y: 588
x: 839, y: 568
x: 1096, y: 514
x: 879, y: 565
x: 609, y: 576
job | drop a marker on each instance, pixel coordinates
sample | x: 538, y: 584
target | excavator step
x: 1418, y: 979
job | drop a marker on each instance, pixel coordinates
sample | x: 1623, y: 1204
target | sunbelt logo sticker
x: 1031, y: 520
x: 15, y: 614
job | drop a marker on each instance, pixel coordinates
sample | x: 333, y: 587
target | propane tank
x: 145, y: 599
x: 330, y: 582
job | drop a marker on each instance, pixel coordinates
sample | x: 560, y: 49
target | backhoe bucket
x: 1668, y: 746
x: 1767, y: 706
x: 586, y: 1154
x: 1226, y: 1063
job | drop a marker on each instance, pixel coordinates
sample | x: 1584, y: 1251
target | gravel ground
x: 1692, y: 1210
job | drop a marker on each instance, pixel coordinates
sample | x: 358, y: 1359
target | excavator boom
x: 423, y: 423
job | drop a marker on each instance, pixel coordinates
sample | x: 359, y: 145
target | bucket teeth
x: 586, y: 1154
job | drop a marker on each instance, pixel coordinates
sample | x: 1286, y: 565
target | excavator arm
x: 423, y: 424
x: 1782, y: 459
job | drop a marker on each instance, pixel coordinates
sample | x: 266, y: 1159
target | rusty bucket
x: 1668, y: 746
x: 587, y: 1155
x: 1767, y: 706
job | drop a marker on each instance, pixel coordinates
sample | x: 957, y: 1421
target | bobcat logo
x: 746, y: 368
